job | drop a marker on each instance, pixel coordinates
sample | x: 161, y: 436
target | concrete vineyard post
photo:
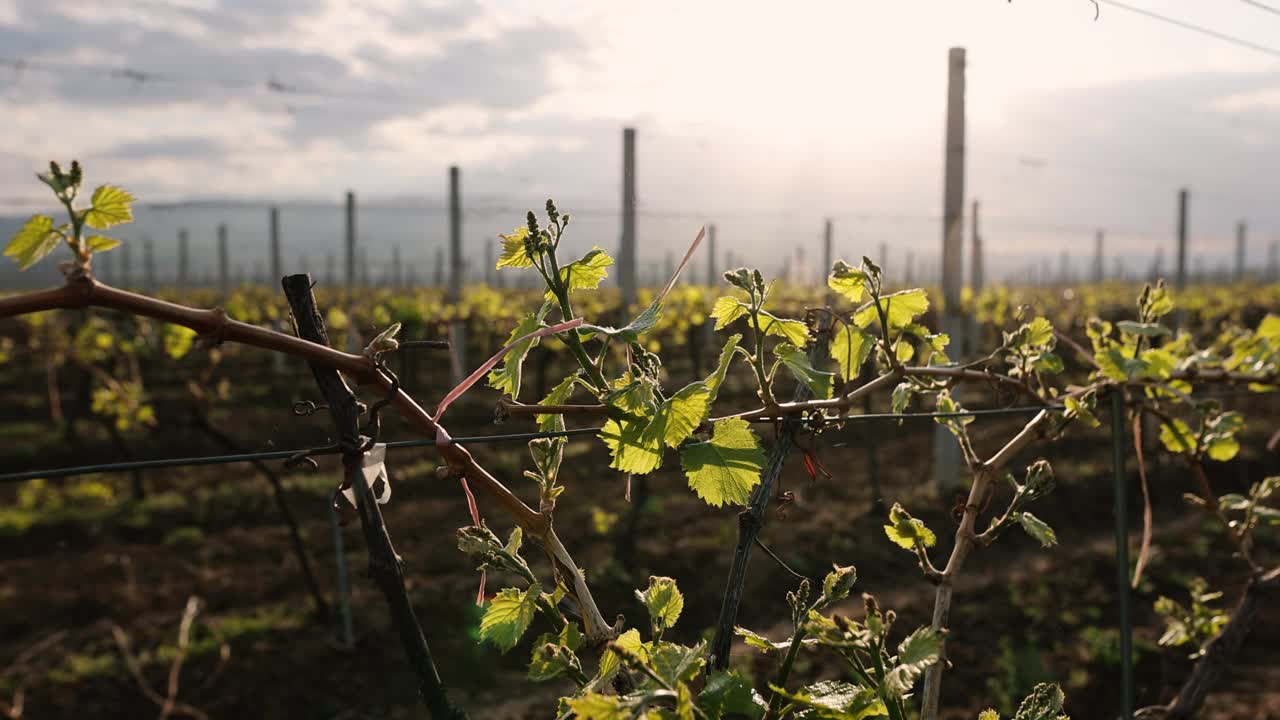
x: 457, y: 328
x: 627, y: 254
x: 1240, y: 250
x: 276, y: 264
x: 976, y: 270
x: 712, y: 280
x: 1098, y: 271
x: 351, y: 240
x: 455, y: 235
x: 224, y: 262
x: 946, y: 452
x: 184, y: 249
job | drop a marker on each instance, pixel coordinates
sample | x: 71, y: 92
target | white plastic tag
x: 374, y: 468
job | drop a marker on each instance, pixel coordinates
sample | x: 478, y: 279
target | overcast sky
x: 787, y: 111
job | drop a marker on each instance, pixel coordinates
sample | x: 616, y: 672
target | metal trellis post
x: 1122, y: 554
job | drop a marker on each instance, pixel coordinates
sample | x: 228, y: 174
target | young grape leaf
x: 728, y: 694
x: 508, y: 615
x: 1177, y: 438
x: 1038, y: 529
x: 110, y: 206
x: 506, y: 378
x: 716, y: 379
x: 795, y: 332
x: 847, y: 280
x: 677, y: 663
x: 559, y: 395
x: 99, y: 243
x: 727, y: 310
x: 33, y: 241
x: 680, y: 414
x: 663, y: 600
x: 1044, y: 703
x: 595, y: 706
x: 850, y: 347
x: 907, y: 532
x: 610, y: 662
x: 901, y: 308
x: 514, y: 252
x: 634, y: 450
x: 837, y: 700
x: 918, y: 651
x: 584, y: 274
x: 797, y: 363
x: 727, y: 467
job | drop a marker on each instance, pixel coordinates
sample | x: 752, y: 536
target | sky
x: 765, y: 118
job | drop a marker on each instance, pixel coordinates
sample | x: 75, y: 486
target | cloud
x: 267, y: 90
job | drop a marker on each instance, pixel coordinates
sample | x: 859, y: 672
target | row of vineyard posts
x: 872, y: 340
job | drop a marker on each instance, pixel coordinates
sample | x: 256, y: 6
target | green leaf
x: 559, y: 395
x: 677, y: 663
x: 385, y: 340
x: 680, y: 414
x: 99, y: 243
x: 178, y: 340
x: 1223, y: 449
x: 760, y: 642
x: 585, y: 274
x: 716, y: 378
x: 1179, y: 438
x: 918, y: 651
x: 901, y: 396
x: 836, y: 700
x: 727, y: 310
x: 1048, y: 362
x: 1078, y: 409
x: 514, y: 252
x: 553, y: 654
x: 726, y: 468
x: 850, y: 347
x: 634, y: 450
x: 1037, y: 529
x: 1044, y: 703
x: 847, y: 280
x: 1142, y: 329
x: 595, y: 706
x: 1039, y: 332
x: 506, y: 378
x: 508, y: 615
x: 905, y: 306
x: 728, y: 694
x: 818, y: 382
x: 839, y: 582
x: 794, y: 331
x: 907, y: 532
x: 663, y: 601
x: 35, y: 239
x: 632, y: 331
x: 610, y: 662
x: 110, y: 206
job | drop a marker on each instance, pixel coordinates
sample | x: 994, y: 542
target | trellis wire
x: 164, y: 463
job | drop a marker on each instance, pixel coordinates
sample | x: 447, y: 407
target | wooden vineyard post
x: 946, y: 452
x: 712, y: 280
x: 184, y: 260
x: 827, y: 259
